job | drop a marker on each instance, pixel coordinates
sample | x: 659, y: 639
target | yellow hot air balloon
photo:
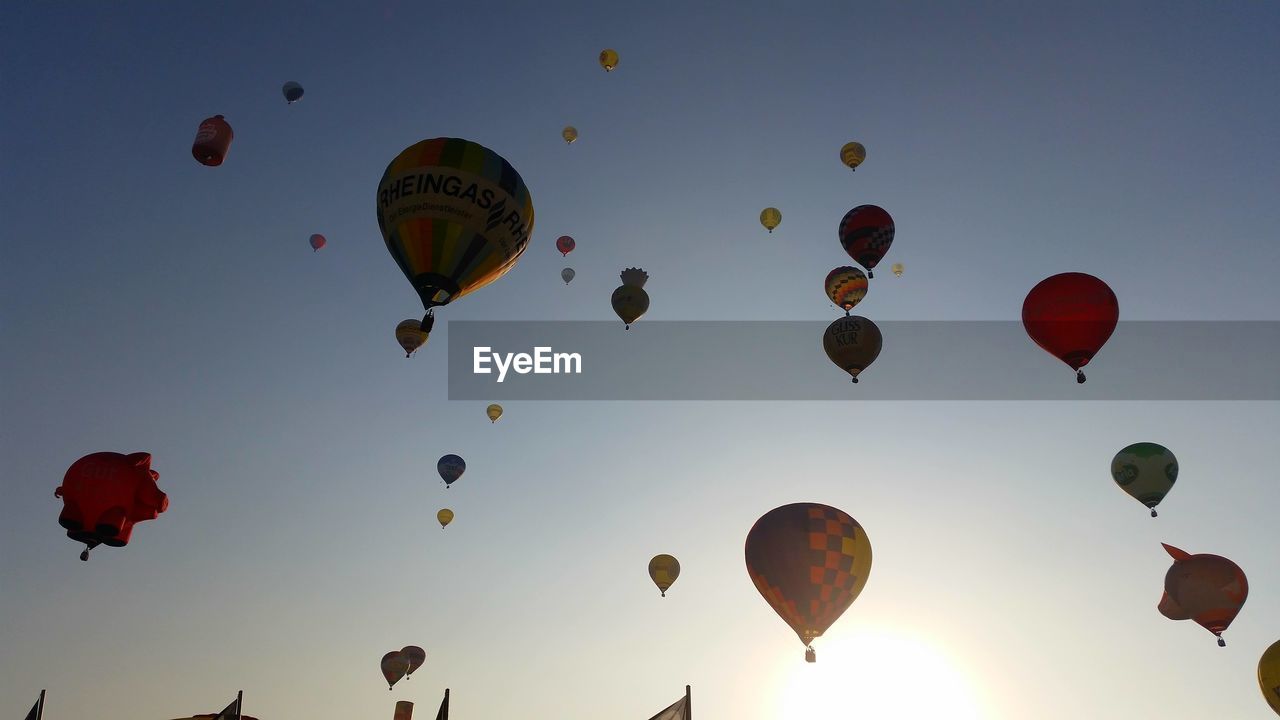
x: 852, y: 154
x: 455, y: 216
x: 770, y: 218
x: 664, y: 569
x: 410, y: 336
x: 852, y: 342
x: 445, y: 517
x: 1269, y: 676
x: 570, y: 133
x: 608, y: 59
x: 494, y: 412
x: 897, y: 269
x: 630, y: 301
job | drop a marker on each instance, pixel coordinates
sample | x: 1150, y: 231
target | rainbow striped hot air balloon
x: 455, y: 216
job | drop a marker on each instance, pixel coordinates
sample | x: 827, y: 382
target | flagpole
x: 688, y: 703
x: 239, y: 700
x: 40, y: 708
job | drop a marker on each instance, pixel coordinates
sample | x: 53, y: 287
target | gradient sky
x: 150, y: 303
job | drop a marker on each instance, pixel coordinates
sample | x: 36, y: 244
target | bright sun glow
x: 877, y: 675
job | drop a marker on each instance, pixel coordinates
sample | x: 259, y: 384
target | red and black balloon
x: 1071, y: 315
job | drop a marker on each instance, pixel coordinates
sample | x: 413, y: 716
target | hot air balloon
x: 415, y: 656
x: 317, y: 242
x: 494, y: 412
x: 897, y: 269
x: 570, y: 133
x: 455, y: 216
x: 770, y: 218
x: 394, y: 666
x: 852, y: 342
x: 608, y: 60
x: 410, y: 336
x: 213, y: 141
x: 292, y: 92
x: 1071, y: 315
x: 565, y: 244
x: 809, y: 561
x: 866, y: 232
x: 1146, y: 471
x: 852, y: 154
x: 445, y: 517
x: 567, y: 275
x: 1269, y: 676
x: 846, y: 286
x: 630, y: 300
x: 1208, y: 589
x: 451, y: 468
x: 104, y: 494
x: 664, y: 569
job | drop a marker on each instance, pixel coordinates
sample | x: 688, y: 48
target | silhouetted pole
x: 239, y: 703
x: 40, y: 706
x: 688, y: 703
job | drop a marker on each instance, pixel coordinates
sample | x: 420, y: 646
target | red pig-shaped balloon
x: 104, y: 494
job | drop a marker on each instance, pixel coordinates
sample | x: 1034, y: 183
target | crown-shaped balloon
x: 634, y: 277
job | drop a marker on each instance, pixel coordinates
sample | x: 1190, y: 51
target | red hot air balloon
x: 866, y: 232
x: 1071, y: 316
x: 104, y: 494
x: 565, y: 244
x: 1208, y: 589
x: 317, y: 241
x: 394, y: 666
x: 213, y: 140
x: 415, y: 655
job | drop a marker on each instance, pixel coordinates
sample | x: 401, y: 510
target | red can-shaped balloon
x: 213, y: 140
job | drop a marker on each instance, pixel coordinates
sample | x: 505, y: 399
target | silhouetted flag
x: 230, y: 712
x: 679, y: 710
x: 35, y: 712
x: 444, y: 707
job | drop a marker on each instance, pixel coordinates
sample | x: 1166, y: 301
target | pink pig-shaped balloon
x: 104, y: 494
x: 1208, y: 589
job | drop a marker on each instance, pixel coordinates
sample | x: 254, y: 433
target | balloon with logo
x: 608, y: 59
x: 852, y: 343
x: 898, y: 268
x: 846, y: 286
x: 104, y: 494
x: 451, y: 468
x: 292, y: 92
x: 1071, y: 316
x: 1269, y: 676
x: 565, y: 244
x: 317, y: 241
x: 770, y: 218
x: 394, y: 666
x: 570, y: 133
x: 1208, y: 589
x: 664, y: 570
x: 1146, y: 471
x: 630, y: 300
x: 809, y: 561
x: 444, y: 517
x: 415, y: 656
x: 866, y: 232
x: 567, y: 275
x: 494, y: 412
x: 213, y: 141
x: 410, y: 336
x: 852, y: 154
x: 455, y: 216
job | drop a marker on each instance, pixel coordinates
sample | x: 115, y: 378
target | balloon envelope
x: 852, y: 343
x: 1146, y: 471
x: 897, y: 269
x: 809, y: 561
x: 846, y: 286
x: 213, y: 141
x: 570, y: 133
x: 1208, y: 589
x: 494, y: 412
x: 1071, y: 315
x: 567, y: 275
x: 663, y: 570
x: 630, y: 303
x: 415, y: 656
x: 444, y: 517
x: 410, y: 336
x: 770, y: 218
x: 451, y: 468
x: 866, y: 232
x: 1269, y: 676
x: 317, y: 241
x: 852, y: 154
x: 394, y: 666
x: 608, y: 59
x: 104, y: 494
x: 292, y: 92
x: 565, y: 244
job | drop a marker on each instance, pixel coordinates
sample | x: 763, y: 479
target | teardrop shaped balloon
x: 455, y: 216
x: 494, y: 412
x: 630, y: 303
x: 898, y: 268
x: 1071, y: 316
x: 567, y: 275
x: 570, y: 133
x: 663, y: 570
x: 809, y: 561
x: 853, y: 343
x: 410, y: 336
x: 1269, y: 676
x: 1146, y: 471
x: 292, y: 92
x: 565, y: 244
x: 317, y: 241
x: 866, y: 232
x: 852, y: 154
x: 846, y: 286
x: 1208, y: 589
x: 444, y: 517
x: 394, y: 666
x: 451, y: 468
x: 608, y: 59
x: 415, y: 657
x: 770, y: 218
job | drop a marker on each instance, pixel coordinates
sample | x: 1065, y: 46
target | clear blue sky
x: 150, y: 303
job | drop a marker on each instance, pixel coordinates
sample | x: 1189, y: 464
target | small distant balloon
x: 410, y: 336
x: 770, y: 218
x: 317, y: 242
x: 846, y: 286
x: 213, y: 141
x: 451, y: 468
x: 570, y: 133
x: 664, y: 570
x: 565, y: 244
x: 852, y: 343
x: 445, y: 517
x: 852, y: 154
x: 567, y: 275
x: 898, y: 268
x: 630, y: 301
x: 415, y: 656
x: 394, y: 666
x: 608, y: 59
x: 494, y: 412
x: 292, y: 92
x: 1146, y: 471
